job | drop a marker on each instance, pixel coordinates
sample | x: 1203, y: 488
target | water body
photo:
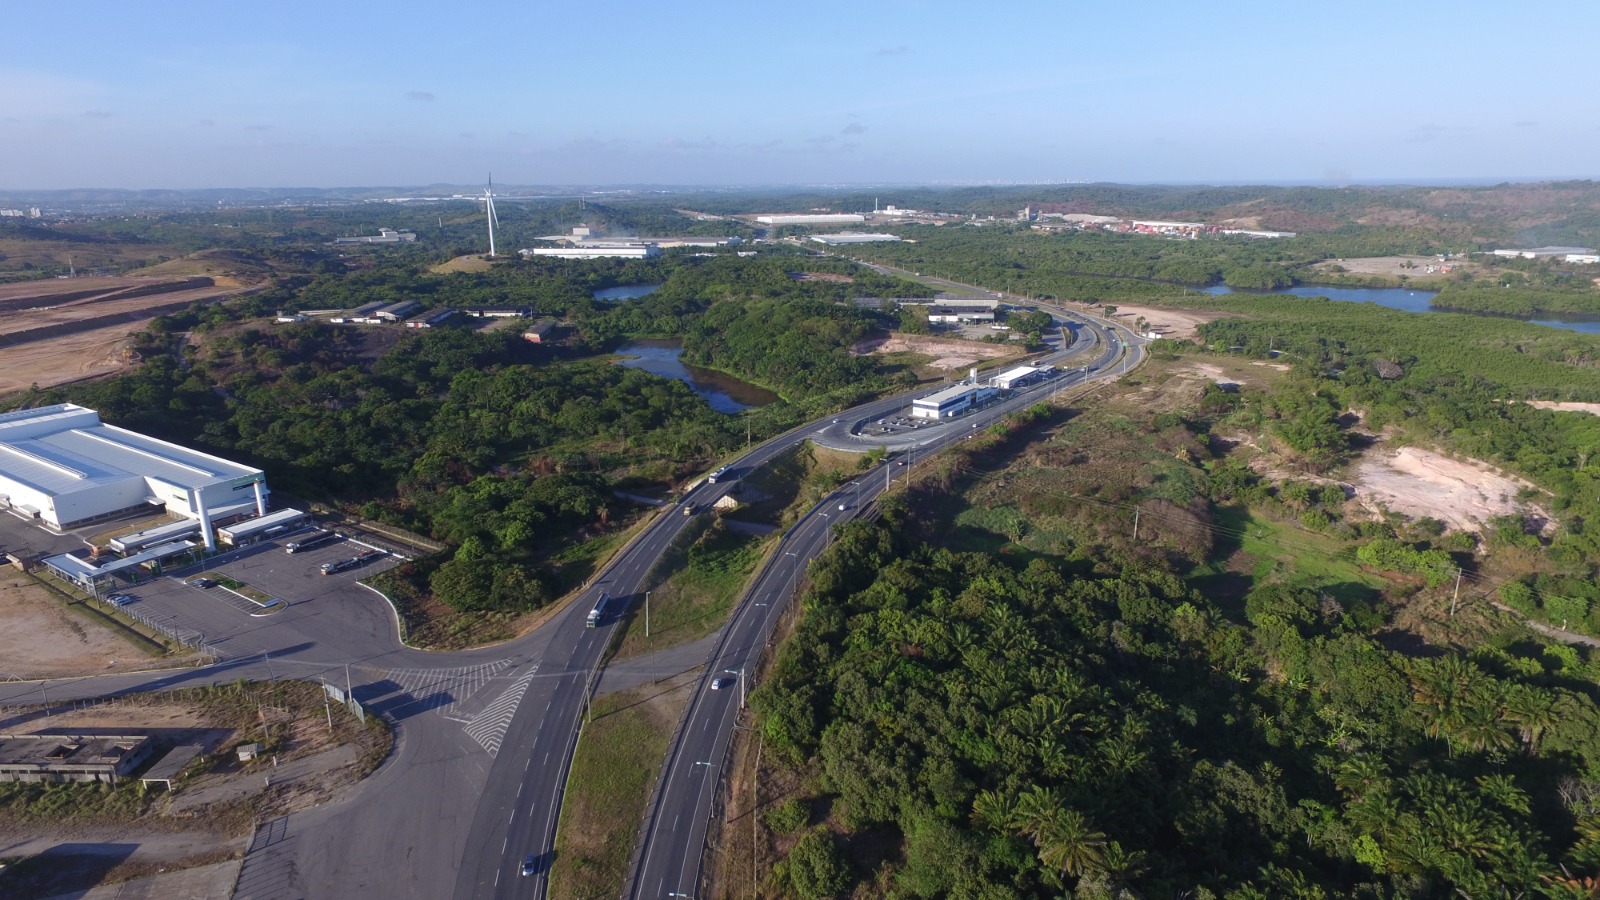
x: 625, y: 292
x: 1399, y: 298
x: 725, y: 394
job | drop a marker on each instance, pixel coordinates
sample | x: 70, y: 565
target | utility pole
x: 646, y: 613
x: 1136, y: 524
x: 268, y: 658
x: 1456, y: 595
x: 326, y: 707
x: 741, y: 689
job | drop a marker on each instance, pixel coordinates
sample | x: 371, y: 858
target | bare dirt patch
x: 1417, y: 482
x: 472, y: 262
x: 938, y: 347
x: 1414, y: 268
x: 1567, y: 406
x: 41, y: 638
x: 73, y: 357
x: 1172, y: 324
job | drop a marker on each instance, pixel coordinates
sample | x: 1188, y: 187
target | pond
x: 625, y: 292
x: 725, y: 394
x: 1399, y: 298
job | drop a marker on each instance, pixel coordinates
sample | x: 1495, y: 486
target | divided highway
x: 670, y: 858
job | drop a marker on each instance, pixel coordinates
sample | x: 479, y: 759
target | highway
x: 669, y: 861
x: 442, y: 816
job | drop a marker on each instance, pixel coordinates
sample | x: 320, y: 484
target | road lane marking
x: 489, y: 726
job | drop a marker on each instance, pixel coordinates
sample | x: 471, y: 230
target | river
x: 724, y: 393
x: 1398, y: 298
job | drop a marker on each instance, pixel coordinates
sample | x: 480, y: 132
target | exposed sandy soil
x: 68, y: 358
x: 931, y: 346
x: 1214, y: 373
x: 1395, y: 266
x: 1172, y: 324
x: 472, y: 262
x: 89, y: 353
x: 1567, y: 406
x: 1417, y: 482
x: 46, y: 314
x: 40, y: 637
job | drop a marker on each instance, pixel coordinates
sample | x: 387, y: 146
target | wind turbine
x: 488, y: 208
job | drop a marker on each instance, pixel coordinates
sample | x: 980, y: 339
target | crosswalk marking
x: 443, y: 689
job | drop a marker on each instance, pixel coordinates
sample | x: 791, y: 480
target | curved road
x: 676, y: 831
x: 454, y: 818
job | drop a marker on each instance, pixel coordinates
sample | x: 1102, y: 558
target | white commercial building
x: 813, y: 219
x: 834, y: 240
x: 626, y: 251
x: 1012, y: 378
x: 950, y: 401
x: 62, y: 466
x: 1547, y: 252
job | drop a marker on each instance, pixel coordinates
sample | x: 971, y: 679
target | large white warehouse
x: 61, y: 465
x: 812, y: 219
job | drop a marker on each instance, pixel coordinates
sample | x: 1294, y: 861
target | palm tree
x: 1067, y: 844
x: 1532, y: 710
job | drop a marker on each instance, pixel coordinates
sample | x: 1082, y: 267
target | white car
x: 719, y: 683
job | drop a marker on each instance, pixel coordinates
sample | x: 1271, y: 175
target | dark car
x: 530, y: 865
x: 204, y: 582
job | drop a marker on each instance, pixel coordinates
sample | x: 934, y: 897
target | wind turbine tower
x: 488, y: 208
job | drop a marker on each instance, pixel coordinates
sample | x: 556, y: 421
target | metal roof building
x: 812, y: 219
x: 62, y: 466
x: 834, y: 240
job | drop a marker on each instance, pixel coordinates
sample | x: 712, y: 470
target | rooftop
x: 65, y: 448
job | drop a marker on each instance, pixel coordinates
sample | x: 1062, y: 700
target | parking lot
x: 221, y: 617
x: 897, y: 425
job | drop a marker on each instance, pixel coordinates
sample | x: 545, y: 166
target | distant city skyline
x: 316, y: 95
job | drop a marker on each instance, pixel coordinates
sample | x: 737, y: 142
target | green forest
x: 1018, y: 697
x: 508, y: 452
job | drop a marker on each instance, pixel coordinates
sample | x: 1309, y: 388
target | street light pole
x: 646, y: 613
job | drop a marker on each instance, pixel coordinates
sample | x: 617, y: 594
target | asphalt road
x: 669, y: 860
x: 484, y: 737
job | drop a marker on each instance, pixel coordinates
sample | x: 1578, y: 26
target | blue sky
x: 187, y: 94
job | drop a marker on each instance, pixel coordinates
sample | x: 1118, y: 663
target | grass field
x: 704, y: 580
x: 615, y: 765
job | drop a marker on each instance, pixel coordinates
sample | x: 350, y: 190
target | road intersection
x: 484, y: 738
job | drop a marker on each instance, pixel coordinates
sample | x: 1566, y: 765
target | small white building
x: 1014, y: 378
x: 1584, y: 258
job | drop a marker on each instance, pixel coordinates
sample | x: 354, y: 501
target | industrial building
x: 384, y: 236
x: 1547, y: 252
x: 61, y: 466
x: 394, y: 312
x: 432, y: 318
x: 623, y: 251
x: 540, y: 331
x: 834, y: 240
x: 813, y: 219
x: 960, y: 315
x: 72, y: 757
x: 497, y: 312
x: 950, y: 401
